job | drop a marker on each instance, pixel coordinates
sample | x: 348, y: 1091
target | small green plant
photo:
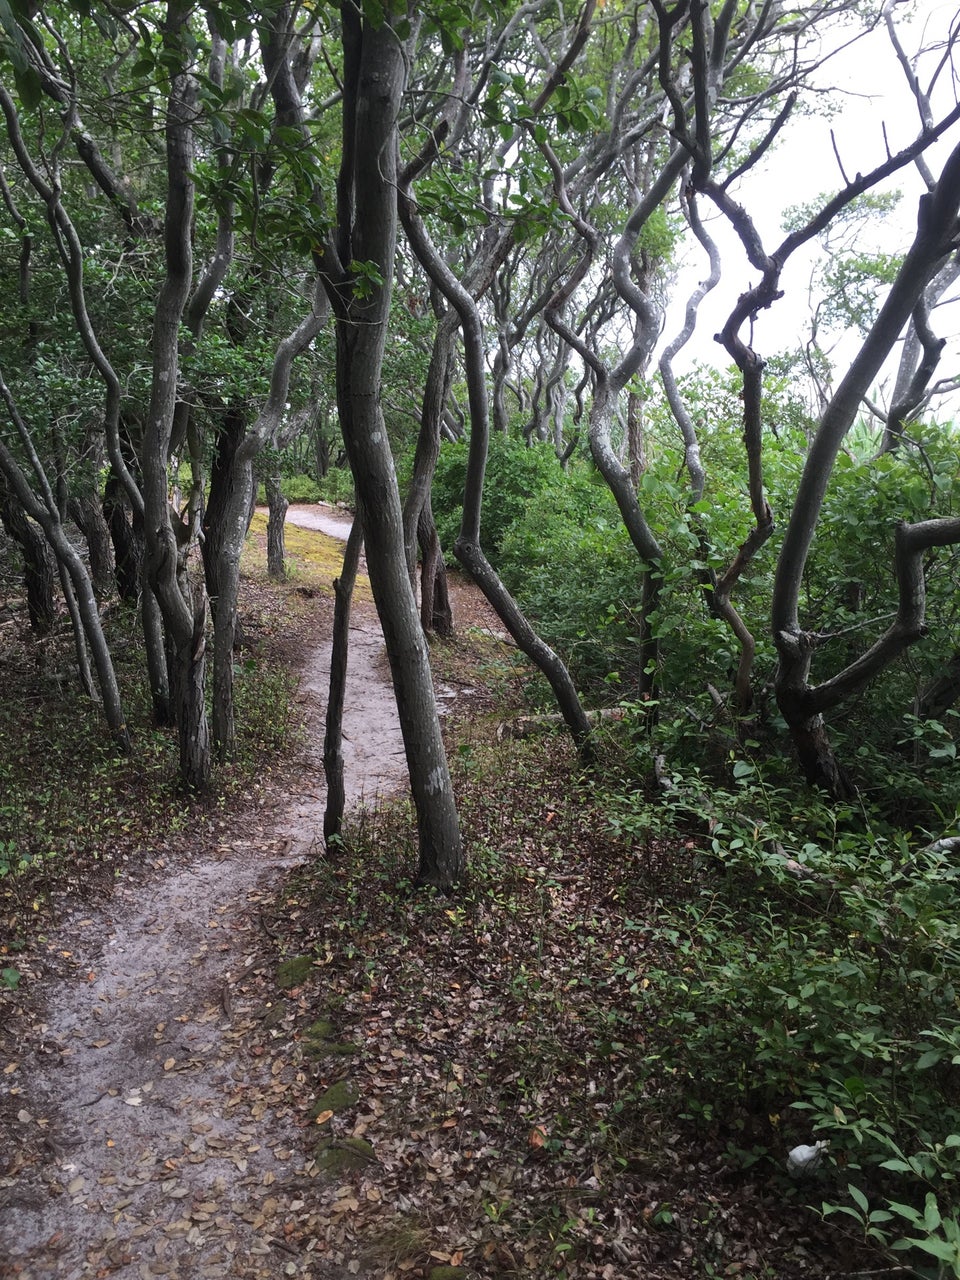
x: 936, y: 1235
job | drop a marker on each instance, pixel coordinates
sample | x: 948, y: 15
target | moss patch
x: 313, y: 559
x: 344, y: 1156
x: 294, y: 971
x: 338, y: 1097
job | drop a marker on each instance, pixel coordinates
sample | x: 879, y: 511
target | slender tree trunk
x: 803, y: 705
x: 232, y: 525
x: 127, y: 544
x: 467, y: 548
x: 158, y: 669
x: 277, y: 504
x: 181, y: 603
x: 86, y: 512
x: 436, y: 611
x: 367, y: 234
x: 339, y: 648
x: 418, y: 524
x: 221, y: 500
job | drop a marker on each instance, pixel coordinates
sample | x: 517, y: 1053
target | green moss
x: 344, y: 1156
x: 294, y: 971
x: 338, y: 1097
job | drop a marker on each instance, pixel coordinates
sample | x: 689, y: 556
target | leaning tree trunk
x: 803, y: 705
x: 467, y: 547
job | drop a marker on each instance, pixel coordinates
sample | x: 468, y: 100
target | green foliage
x: 296, y: 488
x: 515, y: 474
x: 808, y: 967
x: 336, y: 486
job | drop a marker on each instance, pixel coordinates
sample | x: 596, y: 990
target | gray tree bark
x: 182, y: 600
x: 366, y: 234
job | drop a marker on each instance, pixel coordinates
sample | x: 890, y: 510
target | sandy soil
x: 153, y: 1141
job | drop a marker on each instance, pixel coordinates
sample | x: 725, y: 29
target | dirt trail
x: 153, y: 1142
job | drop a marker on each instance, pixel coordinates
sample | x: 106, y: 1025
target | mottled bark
x: 277, y: 505
x: 38, y: 566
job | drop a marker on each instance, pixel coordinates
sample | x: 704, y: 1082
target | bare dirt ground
x: 151, y: 1138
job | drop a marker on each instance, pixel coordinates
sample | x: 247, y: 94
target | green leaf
x: 929, y: 1059
x: 858, y: 1197
x: 931, y: 1213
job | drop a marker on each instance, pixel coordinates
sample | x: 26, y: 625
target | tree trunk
x: 221, y: 501
x: 339, y: 647
x: 127, y: 540
x: 231, y: 530
x: 278, y: 504
x: 801, y: 704
x: 419, y: 528
x: 86, y: 512
x: 942, y: 692
x: 467, y: 548
x: 165, y: 559
x: 188, y: 682
x: 374, y: 57
x: 38, y: 575
x: 436, y: 611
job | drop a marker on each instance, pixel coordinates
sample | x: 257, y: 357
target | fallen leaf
x: 323, y: 1117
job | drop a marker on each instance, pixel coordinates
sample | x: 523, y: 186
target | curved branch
x: 909, y: 625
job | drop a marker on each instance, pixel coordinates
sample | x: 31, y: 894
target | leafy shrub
x: 809, y: 968
x: 515, y: 475
x: 296, y: 488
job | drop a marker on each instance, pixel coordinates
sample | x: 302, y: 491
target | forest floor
x: 236, y: 1057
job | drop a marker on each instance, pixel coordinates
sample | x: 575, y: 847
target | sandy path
x: 164, y: 1147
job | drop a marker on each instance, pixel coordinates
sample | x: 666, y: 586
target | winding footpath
x: 153, y: 1140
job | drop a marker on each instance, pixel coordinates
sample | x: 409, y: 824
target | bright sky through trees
x: 876, y: 115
